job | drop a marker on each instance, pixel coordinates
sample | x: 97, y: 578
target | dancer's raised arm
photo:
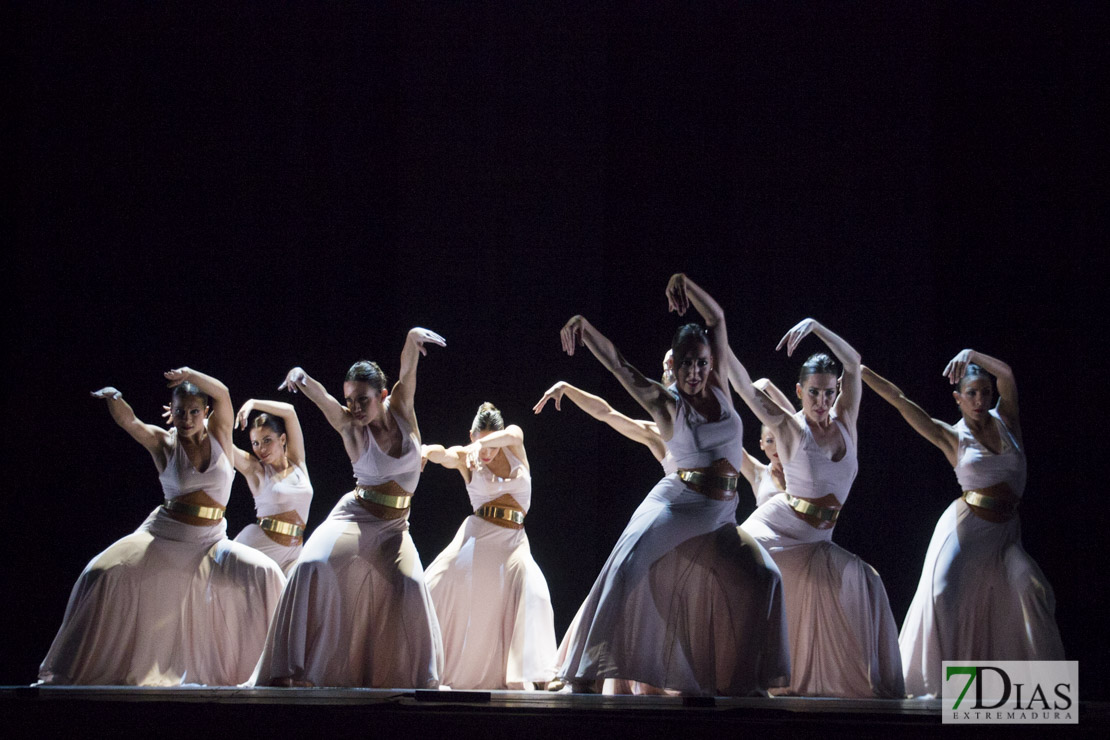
x: 775, y: 393
x: 295, y: 437
x: 151, y: 437
x: 222, y: 417
x: 939, y: 433
x: 846, y: 407
x: 644, y: 432
x: 787, y: 429
x: 652, y: 396
x: 404, y: 390
x: 682, y: 292
x: 251, y: 466
x: 337, y: 414
x: 1007, y: 406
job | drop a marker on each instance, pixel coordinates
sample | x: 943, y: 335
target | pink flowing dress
x: 356, y: 611
x: 981, y: 597
x: 171, y: 603
x: 843, y: 638
x: 491, y: 597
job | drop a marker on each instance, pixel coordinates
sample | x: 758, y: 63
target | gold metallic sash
x: 374, y: 496
x: 277, y: 526
x: 212, y: 513
x: 720, y: 482
x: 991, y: 503
x: 500, y: 513
x: 802, y: 506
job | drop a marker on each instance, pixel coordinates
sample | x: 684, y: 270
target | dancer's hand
x: 423, y: 457
x: 677, y: 300
x: 473, y: 462
x: 244, y: 412
x: 420, y: 336
x: 796, y: 335
x: 957, y: 366
x: 167, y: 415
x: 571, y: 334
x: 554, y: 393
x: 177, y: 377
x: 294, y: 380
x: 107, y: 392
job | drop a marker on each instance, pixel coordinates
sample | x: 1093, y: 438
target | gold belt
x: 802, y: 506
x: 279, y: 527
x: 213, y: 513
x: 373, y: 496
x: 498, y: 512
x: 992, y: 503
x: 720, y: 482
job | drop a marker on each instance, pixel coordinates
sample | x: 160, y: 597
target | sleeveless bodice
x: 668, y: 463
x: 977, y: 467
x: 181, y: 478
x: 696, y: 442
x: 812, y: 474
x: 291, y: 493
x: 764, y: 486
x: 484, y: 486
x: 375, y: 467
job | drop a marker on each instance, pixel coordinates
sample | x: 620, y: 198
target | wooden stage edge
x: 203, y: 711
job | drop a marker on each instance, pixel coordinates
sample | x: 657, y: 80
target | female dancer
x: 176, y: 601
x: 491, y: 598
x: 356, y: 611
x: 981, y: 597
x: 767, y: 480
x: 708, y: 620
x: 278, y: 480
x: 842, y: 632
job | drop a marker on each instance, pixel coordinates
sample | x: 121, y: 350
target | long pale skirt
x: 254, y: 536
x: 494, y: 609
x: 981, y: 597
x: 685, y: 602
x: 843, y: 638
x: 169, y: 604
x: 356, y: 611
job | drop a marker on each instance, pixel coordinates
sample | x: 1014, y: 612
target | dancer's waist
x: 718, y: 482
x: 386, y: 500
x: 278, y: 526
x: 1004, y: 506
x: 824, y: 514
x: 502, y: 516
x: 190, y: 513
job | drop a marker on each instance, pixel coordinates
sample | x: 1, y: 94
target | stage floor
x: 207, y: 712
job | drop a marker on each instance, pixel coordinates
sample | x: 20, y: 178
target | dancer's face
x: 767, y: 444
x: 486, y: 454
x: 268, y: 445
x: 818, y: 393
x: 363, y: 400
x: 975, y: 398
x: 691, y: 371
x: 188, y: 415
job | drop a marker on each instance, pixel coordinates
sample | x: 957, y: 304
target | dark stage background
x: 244, y: 191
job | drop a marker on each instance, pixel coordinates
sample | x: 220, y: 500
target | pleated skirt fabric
x: 980, y: 597
x: 356, y: 611
x: 167, y: 605
x: 494, y: 610
x: 686, y: 602
x: 843, y: 637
